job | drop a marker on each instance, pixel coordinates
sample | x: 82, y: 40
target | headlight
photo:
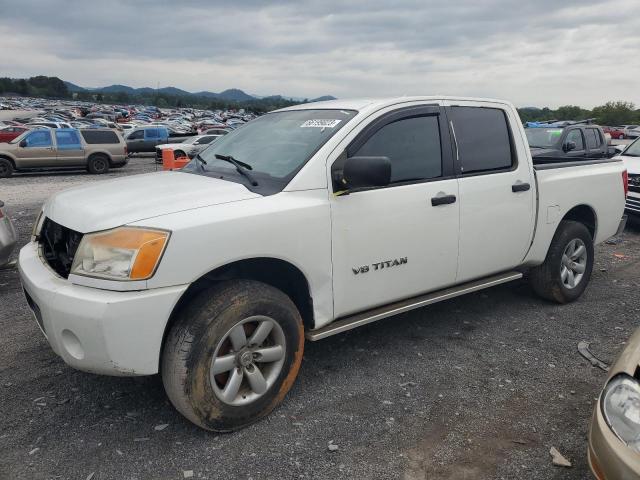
x: 37, y: 226
x: 621, y: 409
x: 124, y: 253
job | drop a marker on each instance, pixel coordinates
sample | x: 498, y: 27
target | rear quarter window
x: 99, y: 136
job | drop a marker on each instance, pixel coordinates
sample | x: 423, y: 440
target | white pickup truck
x: 306, y: 222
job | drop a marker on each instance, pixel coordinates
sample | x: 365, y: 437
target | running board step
x: 379, y: 313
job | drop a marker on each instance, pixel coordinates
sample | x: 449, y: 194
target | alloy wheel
x: 248, y: 360
x: 574, y: 263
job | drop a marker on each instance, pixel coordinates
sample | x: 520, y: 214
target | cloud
x: 533, y: 53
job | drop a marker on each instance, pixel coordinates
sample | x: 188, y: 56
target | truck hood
x: 5, y: 146
x: 112, y: 203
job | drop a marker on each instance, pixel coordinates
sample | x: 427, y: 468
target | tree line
x: 611, y: 113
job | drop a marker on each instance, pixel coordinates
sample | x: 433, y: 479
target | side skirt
x: 379, y: 313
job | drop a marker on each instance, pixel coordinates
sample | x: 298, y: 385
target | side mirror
x: 359, y: 172
x: 23, y: 143
x: 569, y: 146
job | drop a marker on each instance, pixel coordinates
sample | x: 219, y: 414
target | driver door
x: 38, y: 150
x: 575, y: 136
x: 401, y: 240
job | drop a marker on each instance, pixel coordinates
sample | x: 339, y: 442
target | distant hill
x: 323, y: 98
x: 231, y: 94
x: 72, y: 87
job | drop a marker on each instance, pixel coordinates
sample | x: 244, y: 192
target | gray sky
x: 532, y: 52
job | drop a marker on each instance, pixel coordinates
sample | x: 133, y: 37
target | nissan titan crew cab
x: 307, y: 222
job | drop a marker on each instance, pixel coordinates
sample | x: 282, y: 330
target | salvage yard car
x: 572, y: 142
x: 95, y: 150
x: 145, y: 139
x: 614, y: 433
x: 189, y: 147
x: 630, y: 156
x: 306, y: 222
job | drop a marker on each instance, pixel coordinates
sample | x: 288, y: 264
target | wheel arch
x: 276, y: 272
x: 586, y: 215
x: 10, y: 158
x: 99, y: 153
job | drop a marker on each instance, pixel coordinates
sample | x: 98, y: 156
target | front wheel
x: 233, y: 354
x: 6, y: 168
x: 566, y: 271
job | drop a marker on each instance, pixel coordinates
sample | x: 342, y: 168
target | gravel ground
x: 477, y: 387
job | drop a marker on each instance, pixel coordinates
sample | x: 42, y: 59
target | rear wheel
x: 6, y: 168
x: 98, y: 164
x: 233, y: 354
x: 566, y: 271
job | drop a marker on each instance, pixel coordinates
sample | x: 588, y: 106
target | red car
x: 616, y: 133
x: 9, y: 133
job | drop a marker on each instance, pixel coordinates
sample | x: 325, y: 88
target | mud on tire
x: 195, y: 341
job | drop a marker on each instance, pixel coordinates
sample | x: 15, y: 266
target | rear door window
x: 412, y: 145
x: 593, y: 139
x: 67, y: 140
x: 483, y: 139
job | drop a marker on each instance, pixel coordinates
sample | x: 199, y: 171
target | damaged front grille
x: 59, y: 245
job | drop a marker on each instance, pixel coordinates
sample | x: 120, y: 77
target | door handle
x: 520, y: 187
x: 443, y: 200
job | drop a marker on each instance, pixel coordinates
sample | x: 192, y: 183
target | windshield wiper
x: 241, y: 167
x: 201, y: 161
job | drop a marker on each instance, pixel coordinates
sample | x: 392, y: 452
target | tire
x: 98, y: 164
x: 6, y: 168
x: 202, y: 332
x: 549, y: 280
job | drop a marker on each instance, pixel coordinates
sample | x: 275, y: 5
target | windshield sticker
x: 320, y: 123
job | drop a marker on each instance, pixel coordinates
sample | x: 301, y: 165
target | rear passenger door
x: 595, y: 143
x: 496, y: 187
x: 69, y: 148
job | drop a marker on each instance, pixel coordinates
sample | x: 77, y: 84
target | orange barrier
x: 170, y: 162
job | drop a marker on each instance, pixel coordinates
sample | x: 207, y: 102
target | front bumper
x: 98, y: 331
x: 609, y: 458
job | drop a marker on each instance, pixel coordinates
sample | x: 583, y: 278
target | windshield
x: 543, y: 137
x: 273, y: 147
x: 633, y: 150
